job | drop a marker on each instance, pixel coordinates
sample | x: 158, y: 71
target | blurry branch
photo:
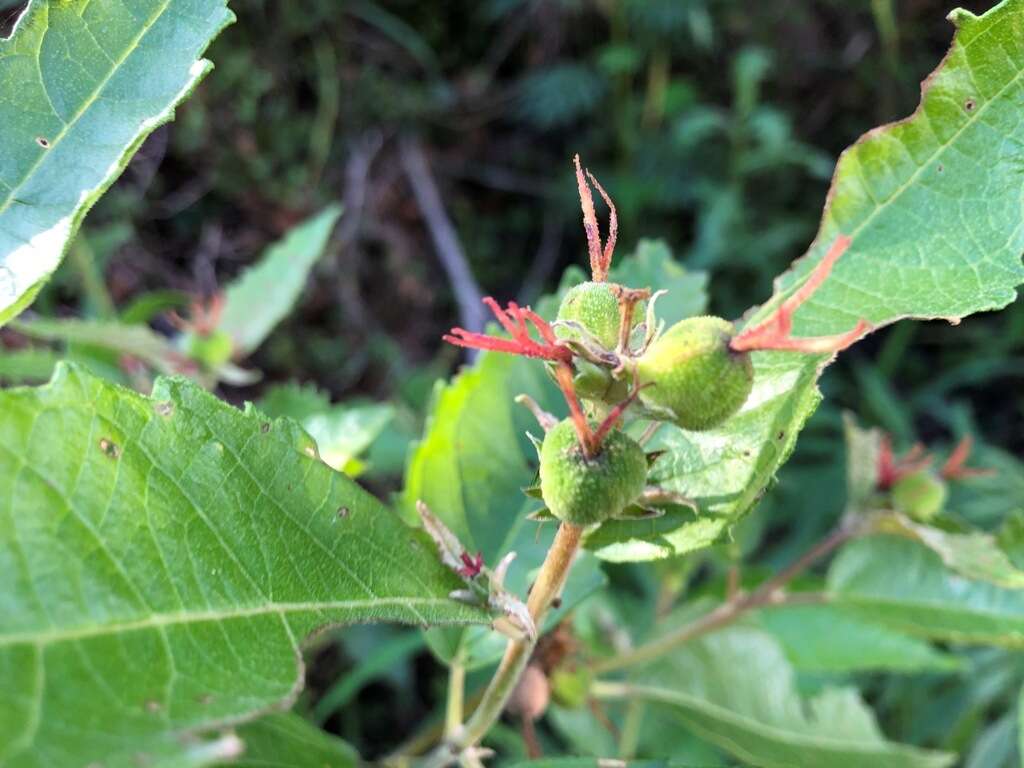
x: 547, y: 254
x: 446, y: 241
x: 357, y: 176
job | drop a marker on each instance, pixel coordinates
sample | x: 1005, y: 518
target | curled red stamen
x: 891, y: 469
x: 600, y: 259
x: 774, y: 333
x: 954, y: 468
x: 516, y: 321
x: 471, y: 565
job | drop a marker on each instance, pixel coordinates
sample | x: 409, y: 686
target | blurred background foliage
x: 714, y: 124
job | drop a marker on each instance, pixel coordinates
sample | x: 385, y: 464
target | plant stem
x: 546, y: 588
x: 768, y: 593
x: 456, y: 695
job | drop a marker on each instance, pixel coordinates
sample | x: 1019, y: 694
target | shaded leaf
x: 903, y: 584
x: 82, y: 83
x: 736, y: 689
x: 167, y: 557
x: 827, y: 638
x: 285, y: 740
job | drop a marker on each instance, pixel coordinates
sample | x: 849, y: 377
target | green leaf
x: 82, y: 83
x: 736, y: 689
x: 138, y: 341
x: 470, y: 469
x: 29, y: 365
x: 831, y: 639
x: 651, y: 266
x: 266, y: 292
x: 165, y: 560
x: 932, y: 204
x: 901, y: 583
x: 285, y: 740
x: 973, y: 554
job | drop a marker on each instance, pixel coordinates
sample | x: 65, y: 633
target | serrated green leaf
x: 166, y: 557
x: 932, y: 204
x: 266, y: 292
x: 831, y: 639
x: 82, y: 83
x: 901, y: 583
x: 470, y: 469
x: 736, y: 689
x: 285, y: 740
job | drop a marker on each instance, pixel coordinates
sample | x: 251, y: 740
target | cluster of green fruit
x: 689, y: 376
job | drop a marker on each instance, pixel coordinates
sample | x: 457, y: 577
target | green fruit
x: 585, y: 491
x: 596, y: 308
x: 921, y: 495
x: 692, y: 375
x: 211, y: 350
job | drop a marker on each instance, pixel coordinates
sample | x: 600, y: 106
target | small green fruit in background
x: 570, y: 688
x: 211, y: 350
x: 586, y: 491
x: 691, y: 373
x: 595, y: 307
x: 920, y: 495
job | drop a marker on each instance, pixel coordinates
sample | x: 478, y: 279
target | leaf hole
x: 343, y: 512
x: 941, y: 168
x: 153, y: 706
x: 164, y: 409
x: 43, y: 142
x: 109, y: 447
x: 265, y: 427
x: 970, y: 105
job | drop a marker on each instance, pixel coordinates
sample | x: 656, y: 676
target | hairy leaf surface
x: 164, y: 560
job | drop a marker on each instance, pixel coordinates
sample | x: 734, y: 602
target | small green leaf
x: 82, y: 83
x: 165, y: 560
x: 285, y: 740
x: 736, y: 689
x: 933, y: 199
x: 829, y: 638
x: 266, y: 292
x: 901, y: 583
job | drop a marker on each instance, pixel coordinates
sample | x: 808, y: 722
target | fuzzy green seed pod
x: 693, y: 375
x: 585, y: 491
x: 920, y: 495
x: 595, y: 307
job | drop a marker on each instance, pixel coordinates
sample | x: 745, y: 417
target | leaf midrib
x: 89, y: 101
x: 157, y: 620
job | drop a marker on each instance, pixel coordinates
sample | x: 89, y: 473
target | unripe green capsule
x: 920, y: 495
x: 595, y: 306
x: 693, y: 376
x: 585, y: 491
